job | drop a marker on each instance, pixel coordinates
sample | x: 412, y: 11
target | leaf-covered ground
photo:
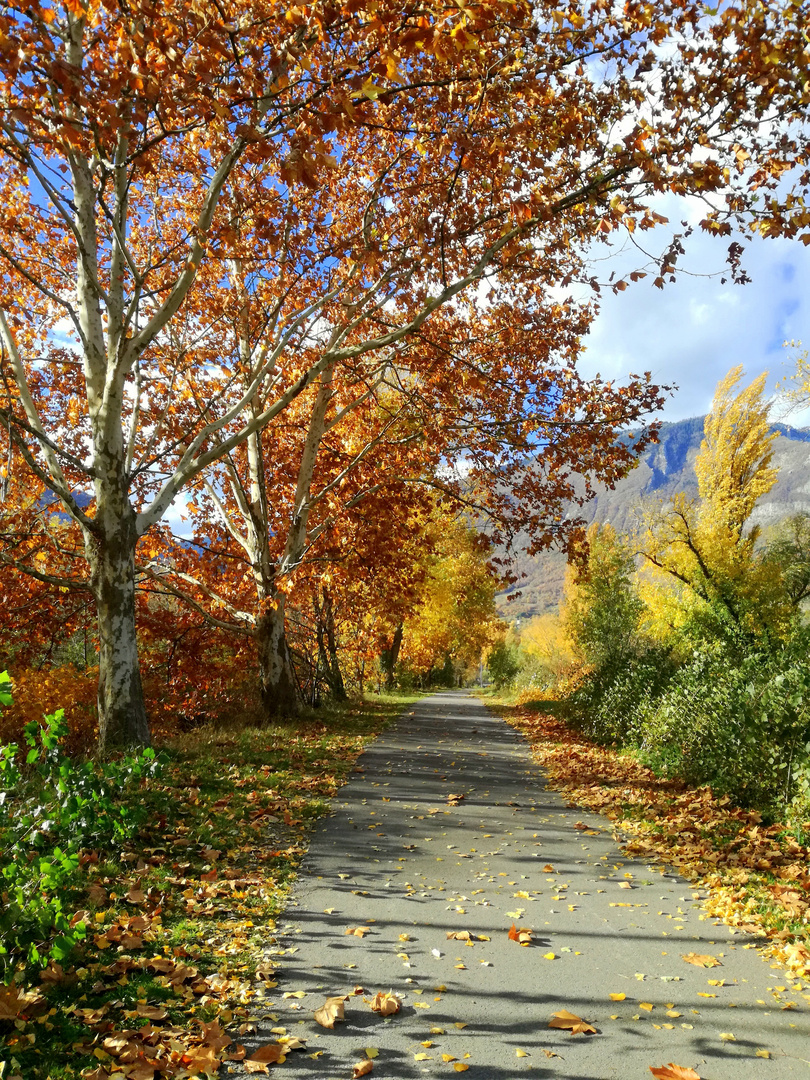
x: 757, y: 875
x: 180, y: 920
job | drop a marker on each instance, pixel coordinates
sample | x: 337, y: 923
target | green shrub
x: 51, y: 808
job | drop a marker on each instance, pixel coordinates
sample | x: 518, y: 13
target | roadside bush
x: 613, y: 702
x: 51, y: 809
x: 502, y: 664
x: 744, y: 728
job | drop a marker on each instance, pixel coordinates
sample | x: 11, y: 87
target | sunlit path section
x: 444, y: 839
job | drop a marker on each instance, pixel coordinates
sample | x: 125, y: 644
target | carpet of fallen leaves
x: 180, y: 921
x: 756, y: 875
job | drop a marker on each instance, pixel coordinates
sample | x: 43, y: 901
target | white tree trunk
x: 279, y: 695
x: 121, y: 711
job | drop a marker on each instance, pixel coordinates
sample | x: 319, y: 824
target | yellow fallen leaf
x: 372, y: 1052
x: 618, y: 997
x: 448, y: 1057
x: 331, y: 1010
x: 422, y: 1057
x: 646, y: 1005
x: 549, y: 956
x: 569, y: 1021
x: 295, y: 993
x: 521, y: 1053
x: 727, y: 1036
x: 460, y: 1066
x: 427, y: 1043
x: 762, y: 1053
x: 421, y: 1005
x: 404, y: 937
x: 701, y: 960
x: 460, y: 1024
x: 385, y: 1004
x: 437, y: 1031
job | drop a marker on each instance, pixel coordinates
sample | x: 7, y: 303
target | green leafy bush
x: 51, y: 809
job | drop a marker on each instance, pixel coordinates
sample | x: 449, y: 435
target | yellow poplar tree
x: 456, y: 614
x: 704, y: 548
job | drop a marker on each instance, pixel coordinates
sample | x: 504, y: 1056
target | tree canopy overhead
x: 224, y: 223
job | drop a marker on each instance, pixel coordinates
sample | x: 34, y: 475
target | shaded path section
x: 396, y: 856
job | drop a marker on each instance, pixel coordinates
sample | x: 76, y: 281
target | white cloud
x: 693, y: 331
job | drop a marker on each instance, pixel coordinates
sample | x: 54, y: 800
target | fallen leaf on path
x: 460, y: 1066
x: 646, y: 1005
x: 522, y: 935
x: 521, y: 1053
x: 295, y: 993
x: 618, y: 997
x: 454, y: 800
x: 372, y: 1052
x: 762, y: 1053
x: 385, y: 1004
x: 569, y: 1021
x: 701, y: 960
x: 270, y: 1054
x: 549, y: 869
x: 727, y: 1036
x: 673, y: 1072
x: 331, y: 1010
x: 362, y: 1068
x: 356, y: 931
x: 459, y: 935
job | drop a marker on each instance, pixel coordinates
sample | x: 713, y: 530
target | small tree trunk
x: 279, y: 695
x: 122, y: 719
x: 391, y: 658
x: 336, y: 684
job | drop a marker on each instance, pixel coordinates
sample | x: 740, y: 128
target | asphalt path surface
x: 447, y: 826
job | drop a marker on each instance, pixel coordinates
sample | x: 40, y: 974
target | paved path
x: 395, y: 857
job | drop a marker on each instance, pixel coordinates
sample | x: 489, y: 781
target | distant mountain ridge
x: 663, y: 469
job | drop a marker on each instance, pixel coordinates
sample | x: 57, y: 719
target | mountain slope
x: 664, y: 469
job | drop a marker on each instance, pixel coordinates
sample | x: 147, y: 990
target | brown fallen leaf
x: 454, y: 800
x: 459, y: 935
x: 331, y: 1010
x: 385, y: 1004
x: 152, y: 1012
x: 357, y: 931
x: 569, y: 1021
x: 522, y: 935
x: 673, y: 1072
x: 362, y: 1068
x: 701, y: 960
x: 270, y: 1054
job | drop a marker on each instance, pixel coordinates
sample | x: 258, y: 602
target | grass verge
x: 180, y: 920
x: 756, y: 875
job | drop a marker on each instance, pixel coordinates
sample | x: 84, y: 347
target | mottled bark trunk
x: 278, y: 688
x: 122, y: 719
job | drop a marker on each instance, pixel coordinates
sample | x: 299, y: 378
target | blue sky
x: 691, y: 333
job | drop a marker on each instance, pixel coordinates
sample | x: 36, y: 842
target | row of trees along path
x: 444, y: 840
x: 278, y: 261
